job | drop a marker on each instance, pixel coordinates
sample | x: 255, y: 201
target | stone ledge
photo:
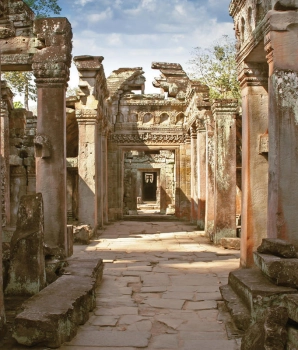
x: 281, y: 271
x: 52, y: 316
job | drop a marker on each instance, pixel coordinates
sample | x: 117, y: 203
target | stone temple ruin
x: 95, y: 157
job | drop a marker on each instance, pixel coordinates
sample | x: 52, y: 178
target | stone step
x: 52, y: 316
x: 150, y: 218
x: 256, y: 291
x: 239, y: 312
x: 281, y: 271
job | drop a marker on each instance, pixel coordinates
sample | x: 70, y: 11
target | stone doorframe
x: 116, y: 213
x: 140, y: 183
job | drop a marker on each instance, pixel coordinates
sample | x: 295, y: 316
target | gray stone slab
x: 160, y: 279
x: 111, y: 339
x: 165, y: 303
x: 200, y: 305
x: 178, y: 295
x: 130, y: 319
x: 154, y: 289
x: 117, y: 311
x: 209, y: 345
x: 208, y: 296
x: 103, y: 321
x: 203, y: 335
x: 169, y: 320
x: 164, y: 341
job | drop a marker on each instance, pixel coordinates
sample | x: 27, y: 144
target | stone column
x: 105, y: 177
x: 184, y: 181
x: 282, y: 50
x: 210, y: 173
x: 194, y: 175
x: 224, y: 112
x: 2, y: 310
x: 87, y: 166
x: 100, y: 177
x: 201, y: 165
x: 51, y: 69
x: 5, y: 181
x: 253, y: 79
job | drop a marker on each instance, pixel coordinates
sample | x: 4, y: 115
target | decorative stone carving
x: 42, y: 146
x: 147, y: 138
x: 51, y: 63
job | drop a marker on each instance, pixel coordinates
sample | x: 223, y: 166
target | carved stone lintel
x: 42, y: 146
x: 147, y: 138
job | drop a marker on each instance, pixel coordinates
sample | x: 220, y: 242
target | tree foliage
x: 44, y: 8
x: 216, y: 67
x: 22, y: 82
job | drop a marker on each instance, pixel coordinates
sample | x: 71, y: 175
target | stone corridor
x: 159, y: 290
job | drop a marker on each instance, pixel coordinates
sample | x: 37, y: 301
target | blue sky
x: 134, y: 33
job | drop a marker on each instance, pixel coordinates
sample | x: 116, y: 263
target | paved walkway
x: 159, y: 291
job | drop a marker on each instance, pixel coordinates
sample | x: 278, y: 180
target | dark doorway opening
x: 149, y: 186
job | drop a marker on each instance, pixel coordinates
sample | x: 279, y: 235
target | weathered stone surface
x: 237, y: 309
x: 280, y: 271
x: 82, y: 234
x: 52, y: 316
x: 256, y: 291
x: 277, y: 247
x: 27, y: 262
x: 230, y: 243
x: 268, y: 333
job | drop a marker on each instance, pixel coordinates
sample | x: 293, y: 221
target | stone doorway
x: 149, y: 186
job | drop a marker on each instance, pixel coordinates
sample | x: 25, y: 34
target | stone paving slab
x: 159, y: 290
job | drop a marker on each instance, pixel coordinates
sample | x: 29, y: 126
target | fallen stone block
x: 52, y: 316
x: 277, y: 247
x: 82, y: 234
x: 230, y: 243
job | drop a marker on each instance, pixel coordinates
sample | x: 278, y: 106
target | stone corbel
x: 42, y: 146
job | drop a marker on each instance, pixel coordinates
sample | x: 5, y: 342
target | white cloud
x: 97, y: 17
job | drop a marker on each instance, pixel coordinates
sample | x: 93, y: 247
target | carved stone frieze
x: 147, y: 138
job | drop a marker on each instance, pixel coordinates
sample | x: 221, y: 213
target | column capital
x: 253, y: 74
x: 52, y: 60
x: 86, y: 116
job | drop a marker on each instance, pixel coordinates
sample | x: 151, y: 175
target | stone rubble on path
x: 159, y: 290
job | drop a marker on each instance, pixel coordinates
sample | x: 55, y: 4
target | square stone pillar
x: 50, y: 65
x: 224, y: 112
x: 87, y: 166
x: 282, y: 51
x: 194, y: 175
x: 201, y: 166
x: 210, y: 173
x: 2, y: 310
x: 183, y: 206
x: 253, y: 79
x: 105, y: 178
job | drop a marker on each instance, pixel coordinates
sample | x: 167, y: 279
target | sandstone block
x: 27, y: 263
x: 277, y: 247
x: 82, y: 234
x: 230, y: 243
x: 280, y: 271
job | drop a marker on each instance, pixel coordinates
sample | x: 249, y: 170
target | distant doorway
x: 149, y: 186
